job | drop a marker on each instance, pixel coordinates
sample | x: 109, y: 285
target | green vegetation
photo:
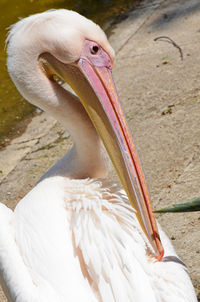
x: 191, y: 205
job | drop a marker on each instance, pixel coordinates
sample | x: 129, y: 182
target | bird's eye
x: 94, y: 49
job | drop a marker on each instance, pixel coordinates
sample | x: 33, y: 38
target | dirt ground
x: 160, y: 92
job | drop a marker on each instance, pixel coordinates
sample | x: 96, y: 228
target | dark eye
x: 94, y: 49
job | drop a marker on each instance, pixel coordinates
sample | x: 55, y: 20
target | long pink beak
x: 92, y: 81
x: 118, y: 141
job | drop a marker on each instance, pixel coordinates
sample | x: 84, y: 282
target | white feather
x: 108, y: 259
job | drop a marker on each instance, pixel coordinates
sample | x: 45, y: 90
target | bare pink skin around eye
x: 98, y: 59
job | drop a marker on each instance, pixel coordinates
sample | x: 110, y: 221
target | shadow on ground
x: 171, y: 15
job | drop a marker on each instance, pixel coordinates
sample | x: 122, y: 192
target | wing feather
x: 111, y: 252
x: 15, y: 277
x: 116, y: 252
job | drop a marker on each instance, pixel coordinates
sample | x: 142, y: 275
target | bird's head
x: 77, y: 51
x: 62, y: 33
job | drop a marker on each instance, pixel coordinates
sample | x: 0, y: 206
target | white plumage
x: 75, y: 237
x: 80, y: 239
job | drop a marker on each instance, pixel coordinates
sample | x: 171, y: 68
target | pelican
x: 77, y: 236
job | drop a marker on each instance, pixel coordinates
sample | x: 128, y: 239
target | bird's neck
x: 86, y: 158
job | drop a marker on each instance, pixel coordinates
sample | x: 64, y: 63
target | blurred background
x: 15, y: 112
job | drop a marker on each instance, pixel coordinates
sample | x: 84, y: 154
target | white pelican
x: 75, y: 237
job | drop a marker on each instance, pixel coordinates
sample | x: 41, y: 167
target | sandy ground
x: 161, y: 98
